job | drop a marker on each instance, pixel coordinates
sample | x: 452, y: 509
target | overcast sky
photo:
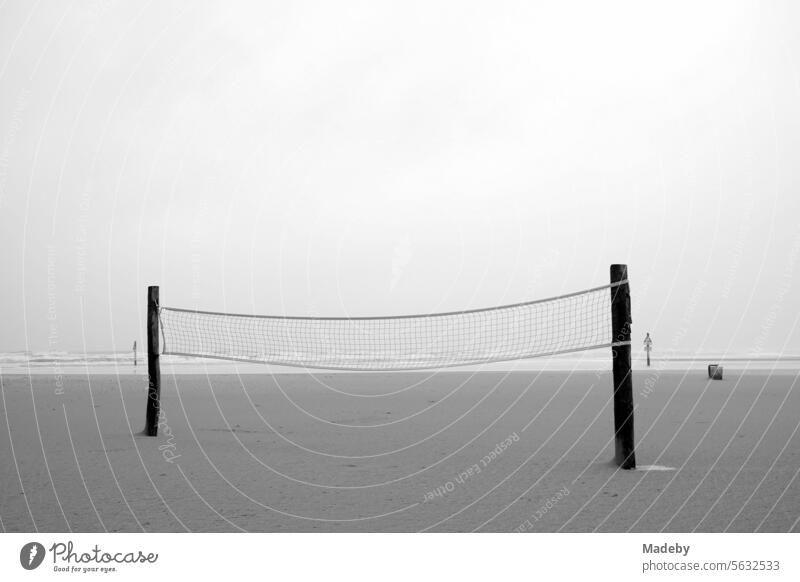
x: 358, y: 158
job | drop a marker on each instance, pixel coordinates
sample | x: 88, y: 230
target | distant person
x: 648, y: 345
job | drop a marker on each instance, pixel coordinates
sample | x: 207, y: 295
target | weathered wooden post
x: 624, y: 455
x: 153, y: 363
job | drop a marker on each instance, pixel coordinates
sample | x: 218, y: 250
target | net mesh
x: 569, y: 323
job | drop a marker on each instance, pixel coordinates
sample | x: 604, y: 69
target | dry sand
x: 362, y: 452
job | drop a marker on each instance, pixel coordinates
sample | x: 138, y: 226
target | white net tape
x: 568, y: 323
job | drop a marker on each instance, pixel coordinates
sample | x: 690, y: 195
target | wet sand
x: 450, y: 451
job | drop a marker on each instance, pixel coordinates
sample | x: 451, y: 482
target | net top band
x: 421, y: 315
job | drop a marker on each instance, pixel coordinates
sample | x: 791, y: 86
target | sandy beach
x: 452, y: 451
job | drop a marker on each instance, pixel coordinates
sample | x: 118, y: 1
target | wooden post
x: 624, y: 455
x: 153, y: 364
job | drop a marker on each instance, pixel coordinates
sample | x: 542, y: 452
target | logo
x: 31, y: 555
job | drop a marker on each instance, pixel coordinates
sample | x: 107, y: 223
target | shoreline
x: 216, y: 367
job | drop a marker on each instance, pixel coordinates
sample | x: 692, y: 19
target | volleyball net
x: 567, y: 323
x: 584, y: 320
